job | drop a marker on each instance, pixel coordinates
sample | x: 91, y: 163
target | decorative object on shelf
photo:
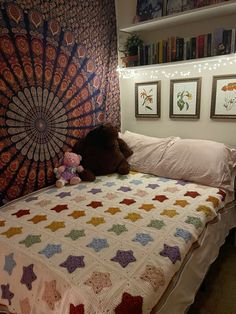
x: 149, y: 9
x: 147, y: 99
x: 173, y: 6
x: 223, y: 105
x: 185, y: 98
x: 133, y: 42
x: 131, y: 48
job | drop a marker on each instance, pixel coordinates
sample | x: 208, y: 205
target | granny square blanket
x: 110, y: 246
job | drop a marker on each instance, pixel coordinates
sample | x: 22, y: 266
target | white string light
x: 168, y: 70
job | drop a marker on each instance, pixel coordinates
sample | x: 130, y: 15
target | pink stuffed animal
x: 68, y: 172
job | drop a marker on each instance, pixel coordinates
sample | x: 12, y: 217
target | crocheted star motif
x: 133, y: 217
x: 2, y: 223
x: 25, y: 306
x: 147, y: 207
x: 192, y: 194
x: 9, y: 263
x: 95, y: 204
x: 95, y: 191
x: 75, y: 234
x: 124, y: 189
x: 72, y: 263
x: 28, y: 276
x: 222, y: 194
x: 122, y: 177
x: 169, y: 212
x: 77, y: 214
x: 214, y: 200
x: 143, y: 238
x: 98, y: 281
x: 130, y: 304
x: 182, y: 182
x: 60, y: 208
x: 172, y: 189
x: 98, y: 244
x: 181, y: 203
x: 111, y: 196
x: 127, y: 201
x: 50, y: 294
x: 160, y: 198
x: 63, y: 194
x: 124, y: 257
x: 184, y: 234
x: 21, y: 212
x: 118, y: 229
x: 141, y: 193
x: 79, y: 199
x: 153, y: 275
x: 113, y: 210
x: 38, y: 218
x: 96, y: 221
x: 109, y: 184
x: 136, y: 182
x: 55, y: 225
x: 80, y: 187
x: 155, y: 223
x: 44, y: 203
x: 30, y: 240
x: 205, y: 209
x: 12, y: 231
x: 172, y: 252
x: 194, y: 221
x: 51, y: 249
x: 78, y: 309
x: 30, y: 199
x: 162, y: 179
x: 6, y: 293
x: 152, y: 186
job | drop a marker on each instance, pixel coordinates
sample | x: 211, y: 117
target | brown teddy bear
x: 103, y: 152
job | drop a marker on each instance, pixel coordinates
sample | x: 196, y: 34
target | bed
x: 139, y: 243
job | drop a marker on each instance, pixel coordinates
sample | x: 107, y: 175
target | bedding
x: 201, y: 161
x: 108, y: 246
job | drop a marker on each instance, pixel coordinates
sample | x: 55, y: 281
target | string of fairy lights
x: 188, y: 68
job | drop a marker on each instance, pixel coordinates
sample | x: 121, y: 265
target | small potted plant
x: 131, y: 46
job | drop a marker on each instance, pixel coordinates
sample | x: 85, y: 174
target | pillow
x: 201, y: 161
x: 147, y: 151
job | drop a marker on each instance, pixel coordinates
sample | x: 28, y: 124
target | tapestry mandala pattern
x: 51, y: 93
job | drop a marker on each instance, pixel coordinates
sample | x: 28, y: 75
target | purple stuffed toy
x: 68, y: 171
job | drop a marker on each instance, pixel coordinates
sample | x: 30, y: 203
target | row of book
x: 220, y: 42
x: 150, y: 9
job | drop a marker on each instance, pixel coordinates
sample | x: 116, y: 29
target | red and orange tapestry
x: 57, y: 81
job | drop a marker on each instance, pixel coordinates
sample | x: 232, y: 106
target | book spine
x: 218, y: 41
x: 173, y: 48
x: 233, y: 41
x: 193, y: 48
x: 161, y: 51
x: 209, y: 45
x: 205, y: 45
x: 200, y: 46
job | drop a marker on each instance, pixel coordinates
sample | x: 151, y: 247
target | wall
x: 204, y: 128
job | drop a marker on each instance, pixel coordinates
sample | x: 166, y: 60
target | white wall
x: 204, y: 128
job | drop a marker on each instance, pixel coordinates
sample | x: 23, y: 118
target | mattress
x: 109, y: 246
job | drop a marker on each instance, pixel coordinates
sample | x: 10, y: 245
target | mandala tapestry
x: 57, y: 81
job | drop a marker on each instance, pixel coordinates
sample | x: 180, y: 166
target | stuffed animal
x: 103, y: 152
x: 68, y: 171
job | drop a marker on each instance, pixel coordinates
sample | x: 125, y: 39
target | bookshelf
x: 184, y: 32
x: 207, y: 12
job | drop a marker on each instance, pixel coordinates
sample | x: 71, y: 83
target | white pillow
x: 201, y: 161
x: 147, y: 151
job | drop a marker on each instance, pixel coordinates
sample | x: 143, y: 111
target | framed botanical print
x: 147, y: 99
x: 223, y: 104
x: 185, y: 97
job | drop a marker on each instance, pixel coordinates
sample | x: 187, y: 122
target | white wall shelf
x: 207, y: 12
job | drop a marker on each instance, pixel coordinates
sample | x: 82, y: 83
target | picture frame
x: 223, y: 101
x: 147, y: 99
x: 149, y: 9
x: 185, y: 96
